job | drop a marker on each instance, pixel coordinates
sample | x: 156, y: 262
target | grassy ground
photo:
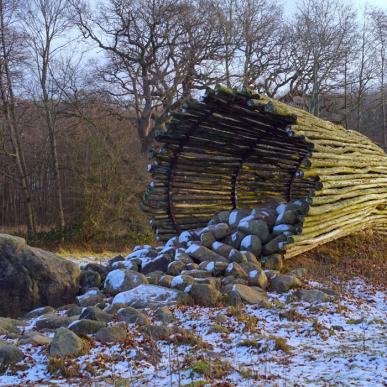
x: 361, y: 255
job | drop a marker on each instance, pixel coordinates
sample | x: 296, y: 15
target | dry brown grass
x: 359, y: 255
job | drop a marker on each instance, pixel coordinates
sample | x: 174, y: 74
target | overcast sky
x: 290, y: 5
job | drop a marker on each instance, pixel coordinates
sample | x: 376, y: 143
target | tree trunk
x: 7, y: 96
x: 53, y: 148
x: 383, y: 103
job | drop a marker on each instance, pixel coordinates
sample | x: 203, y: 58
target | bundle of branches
x: 239, y: 149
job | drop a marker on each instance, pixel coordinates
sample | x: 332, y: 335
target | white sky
x: 290, y: 5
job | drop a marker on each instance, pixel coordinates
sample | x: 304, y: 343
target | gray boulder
x: 235, y: 239
x: 35, y: 339
x: 113, y: 334
x: 185, y: 237
x: 222, y: 248
x: 89, y: 279
x: 273, y: 262
x: 180, y: 282
x: 192, y: 266
x: 250, y: 295
x: 142, y: 253
x: 102, y: 270
x: 196, y: 273
x: 237, y: 256
x: 276, y: 245
x: 220, y: 230
x: 157, y: 332
x: 251, y: 258
x: 9, y: 354
x: 115, y: 259
x: 286, y: 229
x: 203, y: 294
x: 9, y: 325
x: 150, y: 296
x: 252, y: 243
x: 166, y: 281
x: 31, y: 277
x: 65, y: 343
x: 221, y: 217
x: 159, y: 263
x: 131, y: 264
x: 73, y: 310
x: 95, y: 313
x: 247, y: 266
x: 287, y: 217
x: 39, y: 312
x: 133, y: 316
x: 91, y: 297
x: 202, y: 253
x: 154, y: 277
x: 311, y: 295
x: 284, y: 282
x: 176, y: 267
x: 215, y: 268
x: 207, y: 238
x: 255, y: 227
x: 52, y: 321
x: 120, y: 280
x: 181, y: 255
x: 258, y: 278
x: 86, y: 327
x: 267, y: 215
x: 236, y: 215
x: 235, y: 270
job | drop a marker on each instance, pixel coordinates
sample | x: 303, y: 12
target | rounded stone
x: 252, y: 243
x: 65, y: 343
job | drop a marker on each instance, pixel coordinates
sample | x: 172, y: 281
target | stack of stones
x: 234, y: 259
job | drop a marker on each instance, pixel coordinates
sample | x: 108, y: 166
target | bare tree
x: 45, y: 23
x: 379, y: 21
x: 157, y: 51
x: 319, y: 44
x: 258, y: 25
x: 228, y: 30
x: 11, y: 56
x: 364, y: 68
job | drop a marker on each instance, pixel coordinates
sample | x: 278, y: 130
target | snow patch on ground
x: 337, y: 343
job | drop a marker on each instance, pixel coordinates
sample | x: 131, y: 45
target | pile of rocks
x: 234, y: 259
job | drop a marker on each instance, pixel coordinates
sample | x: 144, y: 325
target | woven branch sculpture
x: 237, y: 149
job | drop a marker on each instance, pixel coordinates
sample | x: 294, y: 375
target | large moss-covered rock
x: 31, y: 277
x: 9, y: 354
x: 65, y: 343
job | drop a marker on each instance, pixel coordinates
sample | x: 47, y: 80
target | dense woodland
x: 84, y: 85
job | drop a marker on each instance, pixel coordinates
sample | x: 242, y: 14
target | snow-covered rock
x: 149, y: 295
x: 119, y: 280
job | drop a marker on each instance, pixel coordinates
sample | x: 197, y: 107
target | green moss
x: 211, y: 369
x: 249, y: 343
x: 354, y: 321
x: 216, y: 328
x: 197, y: 383
x: 281, y: 344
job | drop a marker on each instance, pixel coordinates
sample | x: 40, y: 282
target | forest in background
x: 84, y: 85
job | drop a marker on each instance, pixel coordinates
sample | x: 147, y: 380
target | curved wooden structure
x: 239, y: 149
